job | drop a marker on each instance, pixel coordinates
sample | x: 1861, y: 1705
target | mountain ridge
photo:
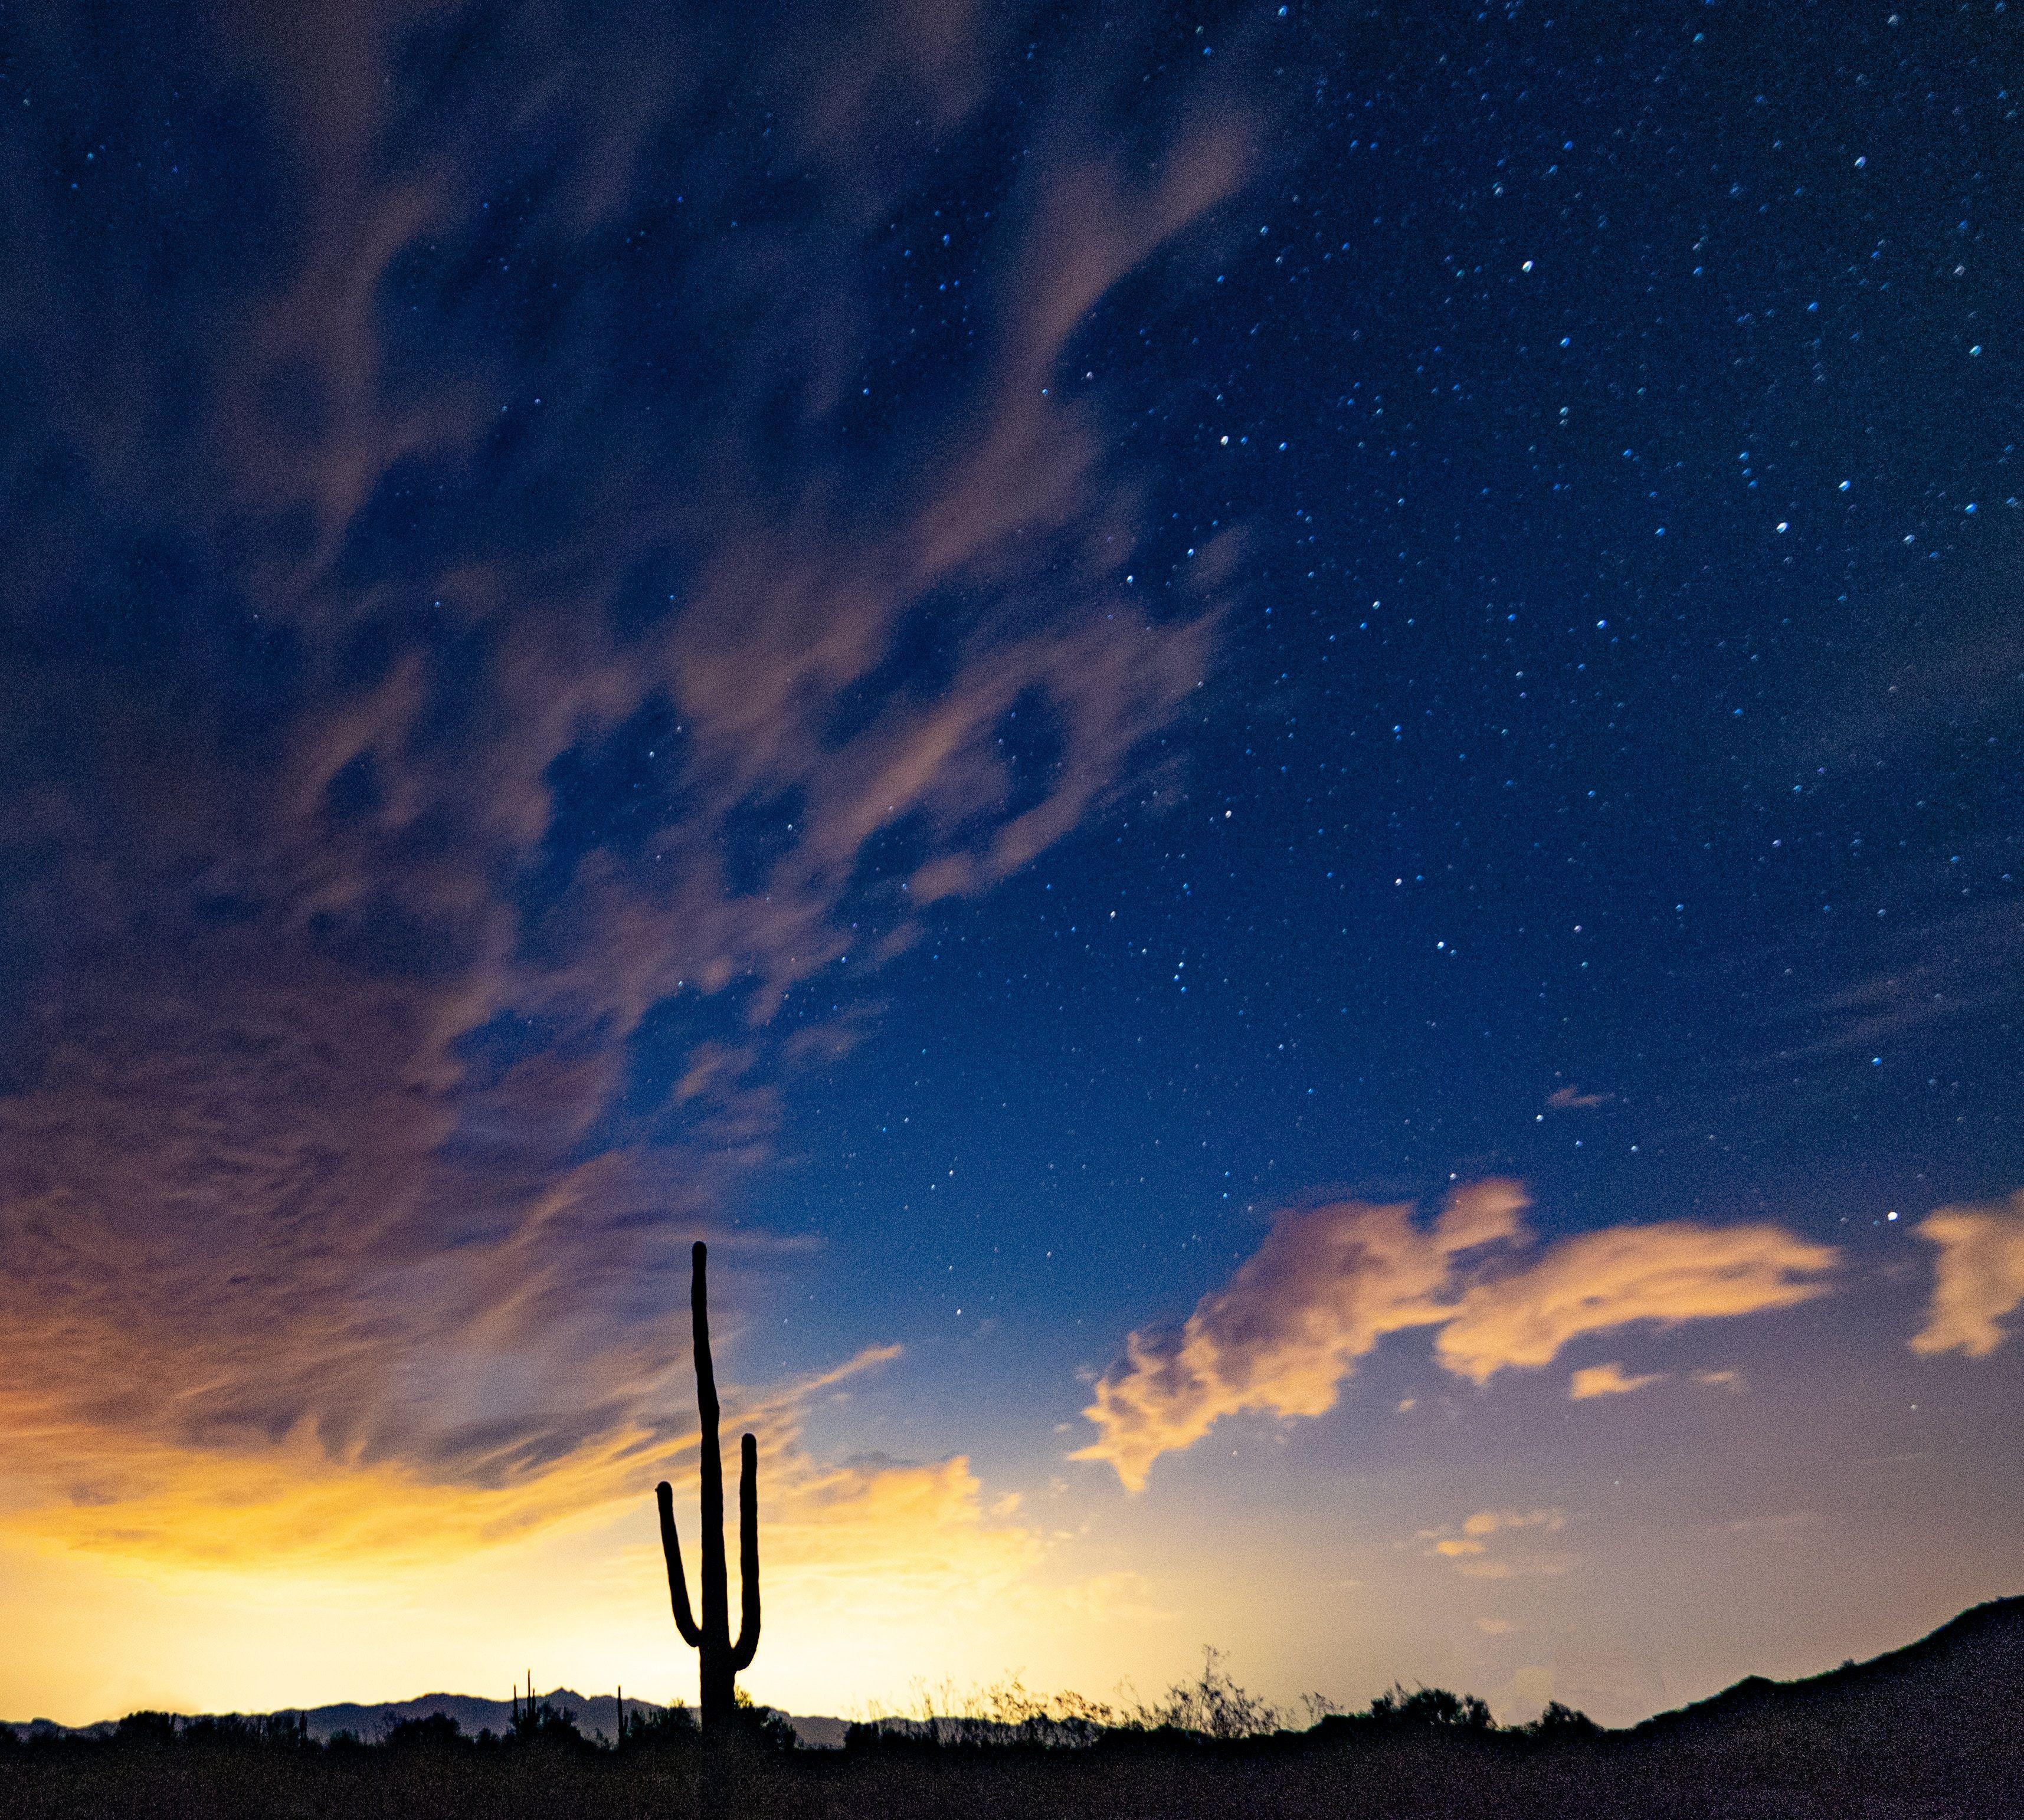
x: 1992, y: 1633
x: 1977, y: 1656
x: 595, y: 1714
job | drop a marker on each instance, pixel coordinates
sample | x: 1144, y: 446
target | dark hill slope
x: 1969, y: 1660
x: 1941, y: 1718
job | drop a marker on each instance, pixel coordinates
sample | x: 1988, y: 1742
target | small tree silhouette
x: 1215, y: 1706
x: 722, y: 1660
x: 1432, y: 1706
x: 431, y: 1732
x: 1559, y: 1721
x: 672, y: 1727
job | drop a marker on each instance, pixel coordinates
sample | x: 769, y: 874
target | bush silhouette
x: 1432, y: 1706
x: 1211, y: 1706
x: 670, y: 1728
x: 434, y: 1731
x: 146, y: 1730
x: 1562, y: 1722
x: 760, y: 1725
x: 238, y: 1731
x: 538, y: 1723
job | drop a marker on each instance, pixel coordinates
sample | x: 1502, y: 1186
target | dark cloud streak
x: 520, y: 573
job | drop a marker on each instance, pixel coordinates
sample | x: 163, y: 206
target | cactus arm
x: 678, y: 1592
x: 748, y: 1557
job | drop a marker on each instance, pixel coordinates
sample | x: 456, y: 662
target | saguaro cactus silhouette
x: 722, y: 1659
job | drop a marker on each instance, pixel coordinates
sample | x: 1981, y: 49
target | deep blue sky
x: 1619, y: 672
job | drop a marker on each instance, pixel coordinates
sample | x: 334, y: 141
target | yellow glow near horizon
x: 586, y: 1608
x: 226, y: 1584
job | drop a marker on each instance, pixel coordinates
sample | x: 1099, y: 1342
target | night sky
x: 1271, y: 751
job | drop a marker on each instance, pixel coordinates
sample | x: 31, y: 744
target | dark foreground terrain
x: 1934, y: 1730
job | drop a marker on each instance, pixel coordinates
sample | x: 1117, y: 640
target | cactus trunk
x: 722, y: 1659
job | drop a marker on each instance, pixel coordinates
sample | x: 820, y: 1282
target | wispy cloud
x: 1609, y: 1380
x: 1472, y: 1549
x: 1326, y: 1285
x: 1950, y: 673
x: 1979, y: 1277
x: 1913, y: 984
x: 1782, y: 1524
x: 527, y: 628
x: 1670, y: 1272
x: 1329, y: 1282
x: 104, y: 1488
x: 923, y: 1531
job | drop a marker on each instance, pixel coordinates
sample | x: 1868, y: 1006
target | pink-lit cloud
x: 381, y: 1052
x: 1325, y: 1285
x: 1609, y: 1380
x: 1329, y: 1282
x: 1979, y: 1277
x: 1473, y: 1547
x: 1670, y: 1272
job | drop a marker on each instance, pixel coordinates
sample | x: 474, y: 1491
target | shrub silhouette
x: 146, y: 1730
x: 722, y: 1660
x: 1432, y: 1706
x: 1562, y: 1722
x: 672, y: 1728
x: 1213, y: 1706
x: 434, y: 1731
x: 538, y: 1722
x: 761, y: 1725
x: 239, y: 1731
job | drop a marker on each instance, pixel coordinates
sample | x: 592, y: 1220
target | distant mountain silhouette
x: 1953, y: 1698
x: 593, y: 1714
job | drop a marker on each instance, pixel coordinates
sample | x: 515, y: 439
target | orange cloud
x: 879, y: 1565
x: 1490, y: 1522
x: 1979, y: 1277
x: 1668, y: 1272
x: 1608, y: 1381
x: 294, y: 1504
x: 1326, y: 1285
x: 1330, y: 1282
x: 1469, y: 1549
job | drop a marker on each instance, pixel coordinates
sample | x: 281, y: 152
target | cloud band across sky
x: 527, y: 626
x: 1329, y: 1282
